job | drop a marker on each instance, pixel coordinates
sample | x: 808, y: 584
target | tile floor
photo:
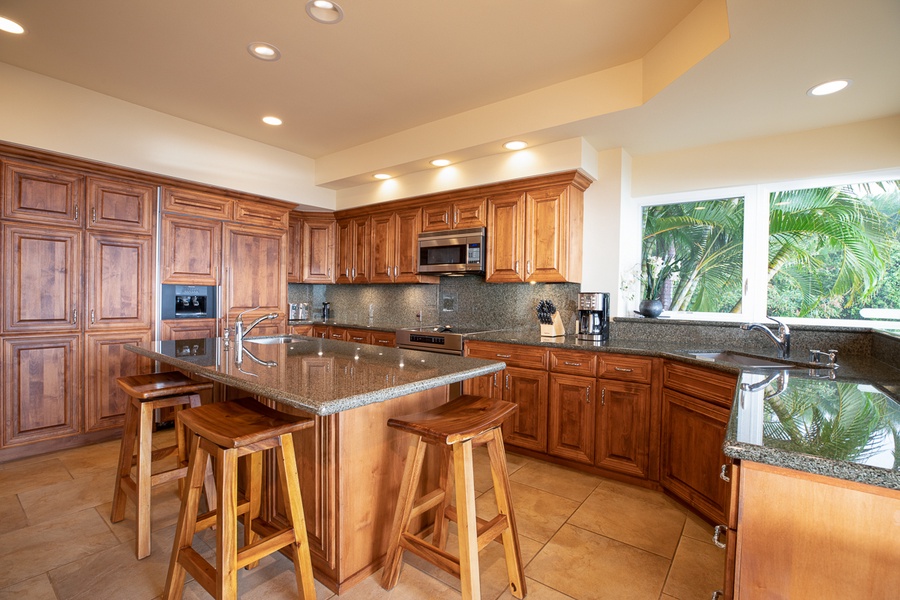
x: 582, y: 537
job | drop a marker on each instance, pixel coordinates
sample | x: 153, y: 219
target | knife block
x: 554, y: 329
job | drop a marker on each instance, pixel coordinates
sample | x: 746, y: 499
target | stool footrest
x: 439, y: 558
x: 199, y: 568
x: 485, y: 531
x: 208, y: 519
x: 427, y: 502
x: 264, y: 547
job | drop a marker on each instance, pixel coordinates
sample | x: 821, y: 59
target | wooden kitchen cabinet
x: 318, y: 238
x: 505, y: 252
x: 105, y: 360
x: 42, y: 194
x: 352, y: 255
x: 358, y: 336
x: 256, y: 272
x: 295, y: 249
x: 464, y: 213
x: 191, y: 250
x: 572, y: 417
x: 623, y: 428
x: 188, y: 329
x: 302, y: 330
x: 124, y: 206
x: 200, y: 204
x: 42, y: 287
x: 384, y: 338
x: 42, y: 383
x: 253, y: 212
x: 119, y: 279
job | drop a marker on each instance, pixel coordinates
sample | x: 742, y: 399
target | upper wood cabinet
x: 258, y: 213
x: 395, y: 247
x: 506, y: 239
x: 41, y: 194
x: 294, y: 249
x: 191, y: 250
x: 457, y: 214
x: 318, y: 238
x: 190, y: 202
x: 353, y: 244
x: 120, y: 205
x: 119, y: 281
x: 255, y: 272
x: 42, y: 281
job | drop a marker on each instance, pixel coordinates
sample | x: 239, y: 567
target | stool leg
x: 441, y: 522
x: 393, y: 560
x: 464, y: 477
x: 500, y: 475
x: 144, y: 468
x: 126, y: 455
x: 253, y: 493
x: 187, y: 519
x: 294, y: 505
x: 226, y: 522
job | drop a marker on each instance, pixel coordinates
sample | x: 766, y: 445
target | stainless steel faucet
x: 240, y: 332
x: 782, y: 341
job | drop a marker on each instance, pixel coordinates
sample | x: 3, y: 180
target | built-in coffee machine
x: 593, y: 316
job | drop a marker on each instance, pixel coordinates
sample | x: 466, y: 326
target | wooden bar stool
x: 147, y: 393
x: 455, y: 428
x: 228, y: 431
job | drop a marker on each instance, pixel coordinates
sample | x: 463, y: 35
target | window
x: 818, y: 250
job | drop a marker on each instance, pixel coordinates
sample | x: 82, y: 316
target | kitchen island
x: 350, y: 463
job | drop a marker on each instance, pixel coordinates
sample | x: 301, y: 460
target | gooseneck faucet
x: 782, y: 341
x: 240, y: 332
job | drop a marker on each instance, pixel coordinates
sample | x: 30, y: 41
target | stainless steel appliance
x: 188, y: 301
x: 452, y: 252
x: 326, y: 311
x: 298, y: 311
x: 593, y: 316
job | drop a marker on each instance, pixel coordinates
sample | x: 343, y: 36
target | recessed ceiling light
x: 324, y: 11
x: 10, y: 26
x: 263, y: 51
x: 381, y: 176
x: 515, y: 145
x: 270, y: 120
x: 829, y: 87
x: 440, y: 162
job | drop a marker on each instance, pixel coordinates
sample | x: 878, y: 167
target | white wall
x: 49, y: 114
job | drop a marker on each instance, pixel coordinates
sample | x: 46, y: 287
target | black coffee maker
x: 593, y: 316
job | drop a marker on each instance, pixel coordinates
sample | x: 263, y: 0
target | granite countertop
x: 847, y: 427
x: 373, y: 325
x: 317, y: 375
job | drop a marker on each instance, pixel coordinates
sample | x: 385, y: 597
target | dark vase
x: 650, y: 308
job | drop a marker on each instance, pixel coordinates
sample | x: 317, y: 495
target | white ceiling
x: 393, y: 65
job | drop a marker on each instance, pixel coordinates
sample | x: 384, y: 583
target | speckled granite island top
x: 317, y: 375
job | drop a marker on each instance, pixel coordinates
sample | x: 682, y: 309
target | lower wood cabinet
x: 572, y: 421
x: 527, y: 388
x: 105, y: 360
x: 188, y: 329
x: 623, y: 428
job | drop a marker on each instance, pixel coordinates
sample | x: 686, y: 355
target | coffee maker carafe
x: 593, y: 316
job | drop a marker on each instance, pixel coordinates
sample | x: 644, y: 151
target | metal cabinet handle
x: 507, y: 381
x: 74, y: 316
x: 528, y: 267
x: 571, y: 364
x: 395, y: 271
x: 587, y: 394
x: 603, y: 397
x: 92, y: 316
x: 716, y: 533
x: 357, y: 339
x: 623, y: 370
x: 94, y: 214
x: 517, y: 266
x: 504, y: 355
x: 456, y: 216
x: 723, y: 474
x: 717, y: 594
x: 495, y: 380
x: 353, y: 272
x: 76, y: 213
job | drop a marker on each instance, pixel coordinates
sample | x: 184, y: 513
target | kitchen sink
x: 745, y: 361
x: 276, y: 339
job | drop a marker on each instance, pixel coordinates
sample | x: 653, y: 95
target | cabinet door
x: 41, y: 388
x: 259, y: 213
x: 691, y: 457
x: 436, y: 217
x: 191, y: 250
x: 256, y: 275
x: 191, y: 202
x: 409, y: 225
x: 358, y: 336
x: 39, y: 194
x: 506, y: 215
x: 294, y: 254
x: 485, y: 385
x: 120, y: 206
x: 320, y: 331
x: 105, y: 360
x: 469, y: 213
x: 337, y: 333
x: 528, y: 389
x: 318, y: 251
x: 359, y: 270
x: 383, y: 248
x: 343, y: 250
x: 623, y: 428
x: 119, y: 281
x: 545, y: 229
x: 42, y: 287
x: 572, y: 417
x: 384, y: 338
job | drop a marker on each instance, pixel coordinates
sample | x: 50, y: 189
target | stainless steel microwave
x: 452, y: 252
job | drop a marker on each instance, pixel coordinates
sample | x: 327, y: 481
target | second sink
x: 742, y: 360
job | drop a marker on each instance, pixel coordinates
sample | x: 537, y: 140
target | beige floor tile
x: 89, y: 459
x: 588, y: 566
x: 164, y: 507
x: 73, y: 495
x: 539, y: 514
x: 558, y: 480
x: 632, y: 519
x: 413, y: 585
x: 26, y: 475
x: 36, y: 588
x: 536, y: 591
x: 39, y: 548
x: 12, y: 516
x: 698, y: 570
x: 697, y: 528
x: 668, y: 597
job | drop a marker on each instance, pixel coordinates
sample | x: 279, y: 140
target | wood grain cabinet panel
x: 41, y: 388
x: 353, y: 243
x: 294, y: 249
x: 188, y: 329
x: 394, y: 248
x: 553, y: 234
x: 623, y: 428
x: 191, y: 202
x: 318, y: 250
x: 258, y: 213
x: 191, y: 250
x: 384, y: 338
x: 506, y: 235
x: 106, y: 359
x: 42, y: 282
x: 526, y: 388
x: 119, y: 281
x: 41, y: 194
x: 572, y: 417
x: 256, y: 274
x: 120, y: 205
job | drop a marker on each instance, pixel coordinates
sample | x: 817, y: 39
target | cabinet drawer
x: 359, y: 336
x: 256, y: 213
x: 573, y: 362
x: 512, y: 354
x: 197, y: 203
x: 705, y: 384
x: 384, y: 338
x: 625, y: 368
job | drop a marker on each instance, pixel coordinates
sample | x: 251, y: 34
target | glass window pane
x: 692, y: 255
x: 834, y: 252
